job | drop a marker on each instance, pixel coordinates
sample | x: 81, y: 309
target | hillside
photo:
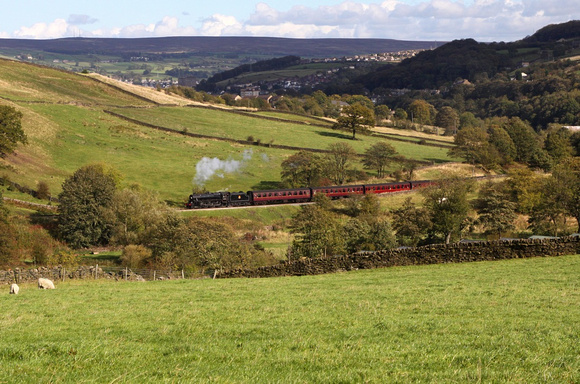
x: 201, y: 45
x: 67, y: 127
x: 468, y: 59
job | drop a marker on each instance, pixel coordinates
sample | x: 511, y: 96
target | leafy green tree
x: 526, y: 141
x: 11, y: 132
x: 496, y: 212
x: 84, y: 201
x: 382, y: 112
x: 468, y: 119
x: 558, y: 144
x: 400, y: 114
x: 338, y: 161
x: 360, y: 99
x: 524, y: 188
x: 318, y: 233
x: 355, y: 118
x: 356, y: 234
x: 472, y: 144
x: 447, y: 118
x: 448, y: 207
x: 566, y: 187
x: 548, y: 216
x: 378, y: 156
x: 410, y: 223
x: 303, y: 169
x: 503, y: 143
x: 134, y: 211
x: 421, y: 112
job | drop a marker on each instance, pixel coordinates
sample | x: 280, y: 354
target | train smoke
x: 207, y: 167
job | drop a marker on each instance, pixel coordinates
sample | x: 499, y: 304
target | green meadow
x: 505, y: 322
x: 67, y: 128
x: 240, y: 126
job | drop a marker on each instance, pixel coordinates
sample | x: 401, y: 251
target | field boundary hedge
x: 429, y: 254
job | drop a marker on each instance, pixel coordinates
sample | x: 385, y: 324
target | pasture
x: 505, y: 321
x: 239, y: 127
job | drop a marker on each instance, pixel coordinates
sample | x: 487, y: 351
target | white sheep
x: 45, y: 284
x: 14, y: 288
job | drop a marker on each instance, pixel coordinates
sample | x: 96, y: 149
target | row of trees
x: 309, y: 169
x: 447, y: 212
x: 499, y: 142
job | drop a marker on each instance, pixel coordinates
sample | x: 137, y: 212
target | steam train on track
x: 295, y: 195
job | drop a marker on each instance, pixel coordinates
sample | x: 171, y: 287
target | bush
x: 134, y: 256
x: 42, y: 190
x: 64, y: 257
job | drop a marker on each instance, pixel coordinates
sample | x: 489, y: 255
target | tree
x: 382, y: 112
x: 355, y: 118
x: 134, y: 211
x: 566, y: 187
x: 410, y: 223
x: 378, y: 156
x: 448, y: 206
x: 303, y: 169
x: 448, y: 118
x: 548, y: 216
x: 11, y: 132
x: 472, y: 144
x: 558, y: 144
x: 338, y: 161
x: 503, y: 143
x: 318, y: 233
x: 496, y: 212
x: 85, y: 198
x: 421, y: 112
x: 524, y: 188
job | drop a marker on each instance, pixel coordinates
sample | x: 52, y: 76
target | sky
x: 429, y: 20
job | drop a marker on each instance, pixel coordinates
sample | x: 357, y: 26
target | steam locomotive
x: 295, y: 195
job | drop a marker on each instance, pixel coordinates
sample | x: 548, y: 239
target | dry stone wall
x: 430, y: 254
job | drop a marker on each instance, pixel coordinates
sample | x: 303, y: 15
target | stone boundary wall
x: 429, y: 254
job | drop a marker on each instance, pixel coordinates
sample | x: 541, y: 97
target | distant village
x: 252, y: 90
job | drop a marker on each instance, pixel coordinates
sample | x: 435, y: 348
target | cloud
x: 56, y: 29
x: 443, y: 20
x: 81, y: 20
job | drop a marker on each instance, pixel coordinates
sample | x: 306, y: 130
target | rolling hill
x: 67, y: 126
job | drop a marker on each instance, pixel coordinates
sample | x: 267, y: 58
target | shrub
x: 135, y: 256
x: 42, y: 190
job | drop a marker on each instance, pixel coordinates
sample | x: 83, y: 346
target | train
x: 295, y: 195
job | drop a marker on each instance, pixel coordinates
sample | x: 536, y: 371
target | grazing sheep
x: 45, y: 284
x: 14, y: 288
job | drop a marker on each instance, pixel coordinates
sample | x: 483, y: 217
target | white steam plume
x: 206, y: 168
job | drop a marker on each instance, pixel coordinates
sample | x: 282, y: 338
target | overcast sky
x: 443, y: 20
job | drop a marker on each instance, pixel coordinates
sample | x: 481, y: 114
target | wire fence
x: 143, y: 274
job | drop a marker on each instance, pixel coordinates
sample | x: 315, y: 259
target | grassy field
x: 159, y: 161
x: 29, y: 83
x: 509, y: 321
x: 64, y: 120
x: 240, y: 127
